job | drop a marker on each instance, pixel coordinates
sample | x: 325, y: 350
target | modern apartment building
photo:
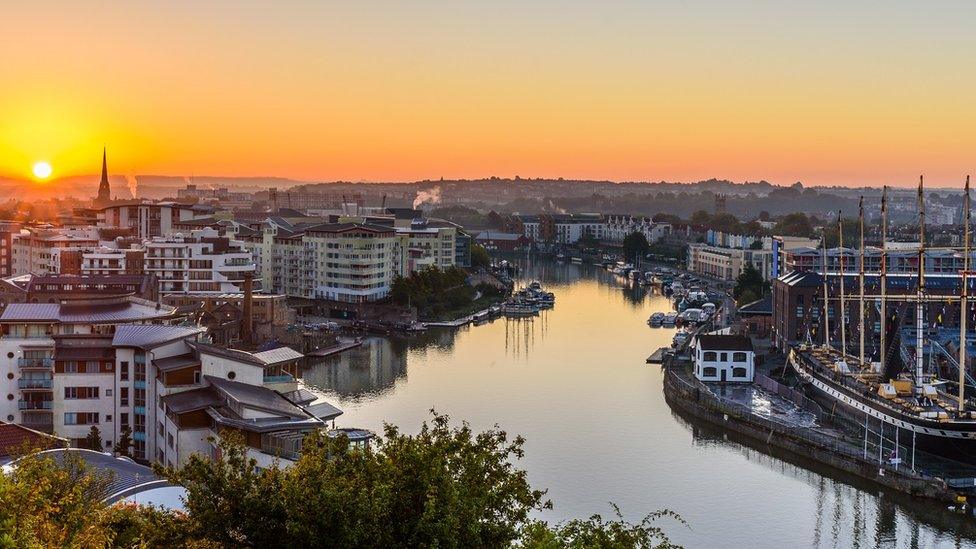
x: 111, y: 364
x: 148, y: 219
x: 351, y: 262
x: 203, y: 262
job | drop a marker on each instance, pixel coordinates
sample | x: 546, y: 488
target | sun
x: 42, y: 170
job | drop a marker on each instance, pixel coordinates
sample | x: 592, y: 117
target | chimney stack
x: 247, y: 322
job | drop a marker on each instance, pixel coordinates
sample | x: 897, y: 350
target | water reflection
x: 573, y: 381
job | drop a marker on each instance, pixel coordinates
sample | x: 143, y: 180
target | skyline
x: 834, y: 94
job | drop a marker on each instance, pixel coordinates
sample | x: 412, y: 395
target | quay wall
x: 681, y: 392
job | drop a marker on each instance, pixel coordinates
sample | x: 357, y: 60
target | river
x: 574, y: 382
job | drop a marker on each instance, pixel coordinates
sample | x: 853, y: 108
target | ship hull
x: 954, y: 439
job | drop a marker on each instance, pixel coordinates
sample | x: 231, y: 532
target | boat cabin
x: 724, y: 358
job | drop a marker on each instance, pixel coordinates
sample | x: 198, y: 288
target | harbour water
x: 573, y: 381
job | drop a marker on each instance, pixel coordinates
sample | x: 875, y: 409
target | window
x: 80, y: 392
x: 123, y: 420
x: 123, y: 396
x: 124, y: 370
x: 709, y: 371
x: 169, y: 440
x: 725, y: 357
x: 709, y: 356
x: 739, y: 372
x: 80, y: 418
x: 738, y: 357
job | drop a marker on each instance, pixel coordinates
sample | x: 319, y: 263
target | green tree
x: 124, y: 444
x: 635, y: 245
x: 598, y: 533
x: 587, y: 241
x: 794, y: 224
x: 93, y: 441
x: 480, y: 256
x: 749, y: 285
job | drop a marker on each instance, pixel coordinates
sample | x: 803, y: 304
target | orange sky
x: 839, y: 93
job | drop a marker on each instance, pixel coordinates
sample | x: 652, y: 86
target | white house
x: 724, y: 358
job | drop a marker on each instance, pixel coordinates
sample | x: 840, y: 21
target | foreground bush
x: 445, y: 487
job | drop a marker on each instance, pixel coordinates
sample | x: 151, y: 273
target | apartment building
x: 727, y: 263
x: 43, y: 251
x: 7, y: 233
x: 149, y: 219
x: 108, y: 364
x: 203, y: 262
x: 350, y: 262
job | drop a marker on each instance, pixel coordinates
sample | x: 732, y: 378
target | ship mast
x: 823, y: 242
x: 860, y: 302
x: 883, y: 274
x: 842, y: 318
x: 964, y: 300
x: 920, y: 309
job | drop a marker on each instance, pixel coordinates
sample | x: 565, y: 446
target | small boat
x: 576, y: 259
x: 670, y: 319
x: 656, y: 319
x: 679, y: 339
x: 519, y: 310
x: 560, y: 257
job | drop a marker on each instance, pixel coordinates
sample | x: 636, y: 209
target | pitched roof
x: 725, y: 343
x: 281, y: 354
x: 176, y: 362
x: 147, y: 336
x: 194, y: 399
x: 264, y: 358
x: 90, y: 312
x: 15, y: 437
x: 126, y: 477
x: 762, y: 306
x: 256, y: 396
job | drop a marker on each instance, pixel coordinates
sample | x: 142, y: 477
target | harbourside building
x: 148, y: 219
x: 724, y: 358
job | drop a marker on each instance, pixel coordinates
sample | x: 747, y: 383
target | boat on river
x: 656, y: 319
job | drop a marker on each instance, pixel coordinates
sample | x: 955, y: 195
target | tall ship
x: 912, y: 384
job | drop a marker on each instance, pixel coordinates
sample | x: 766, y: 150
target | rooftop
x: 725, y: 342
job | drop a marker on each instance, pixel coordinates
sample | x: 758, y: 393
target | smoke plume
x: 432, y: 196
x: 133, y: 184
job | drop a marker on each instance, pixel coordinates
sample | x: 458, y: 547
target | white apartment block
x: 202, y: 263
x: 347, y: 262
x: 727, y: 263
x: 110, y: 364
x: 148, y: 219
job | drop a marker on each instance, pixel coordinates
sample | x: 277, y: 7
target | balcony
x: 35, y: 362
x: 35, y: 383
x: 33, y: 404
x: 285, y: 378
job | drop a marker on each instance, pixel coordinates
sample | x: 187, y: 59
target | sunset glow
x: 827, y: 93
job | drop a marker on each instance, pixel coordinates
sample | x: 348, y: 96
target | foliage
x: 124, y: 444
x: 749, y: 285
x: 480, y: 256
x: 48, y: 503
x: 635, y: 245
x: 794, y: 224
x: 447, y: 486
x: 442, y: 487
x: 595, y: 532
x: 588, y: 241
x: 93, y: 441
x: 433, y: 291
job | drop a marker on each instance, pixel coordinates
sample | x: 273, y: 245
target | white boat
x: 656, y: 319
x: 670, y: 319
x: 679, y: 339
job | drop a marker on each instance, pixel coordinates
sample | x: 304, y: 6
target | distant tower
x: 104, y: 191
x: 720, y: 205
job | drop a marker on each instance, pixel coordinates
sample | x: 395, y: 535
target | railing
x: 35, y: 383
x: 279, y: 379
x: 33, y: 404
x: 35, y: 362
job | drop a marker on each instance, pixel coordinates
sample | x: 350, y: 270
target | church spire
x: 104, y: 191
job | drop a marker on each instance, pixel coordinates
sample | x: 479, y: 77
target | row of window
x: 712, y: 356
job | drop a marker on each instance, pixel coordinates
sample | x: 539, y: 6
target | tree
x: 587, y: 241
x: 635, y: 245
x: 124, y: 443
x: 93, y: 441
x: 480, y: 256
x: 749, y: 285
x: 596, y: 532
x: 794, y: 224
x: 495, y: 220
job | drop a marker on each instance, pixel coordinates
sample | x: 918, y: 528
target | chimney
x: 247, y: 321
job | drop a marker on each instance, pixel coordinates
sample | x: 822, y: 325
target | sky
x: 827, y: 93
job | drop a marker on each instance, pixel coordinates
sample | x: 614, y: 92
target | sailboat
x: 909, y: 403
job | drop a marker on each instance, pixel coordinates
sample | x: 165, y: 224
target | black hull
x: 953, y: 440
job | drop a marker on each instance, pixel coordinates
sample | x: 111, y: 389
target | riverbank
x: 683, y: 392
